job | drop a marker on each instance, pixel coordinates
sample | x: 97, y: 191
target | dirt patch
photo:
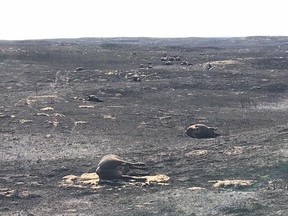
x: 236, y: 183
x: 91, y: 180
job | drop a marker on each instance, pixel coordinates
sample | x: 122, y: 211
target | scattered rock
x: 184, y: 63
x: 147, y: 66
x: 79, y: 69
x: 136, y: 78
x: 93, y: 98
x: 167, y: 63
x: 4, y: 115
x: 177, y: 58
x: 208, y: 67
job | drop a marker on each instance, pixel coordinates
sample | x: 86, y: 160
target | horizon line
x: 145, y: 37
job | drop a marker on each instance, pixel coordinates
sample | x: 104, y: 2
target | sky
x: 46, y: 19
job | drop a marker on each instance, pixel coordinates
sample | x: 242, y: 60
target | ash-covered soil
x: 152, y: 90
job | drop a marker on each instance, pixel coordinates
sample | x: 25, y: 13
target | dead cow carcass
x: 114, y: 167
x: 201, y: 131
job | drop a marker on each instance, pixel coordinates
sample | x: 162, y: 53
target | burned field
x: 66, y: 103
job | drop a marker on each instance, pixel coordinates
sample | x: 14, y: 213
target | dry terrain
x: 152, y: 90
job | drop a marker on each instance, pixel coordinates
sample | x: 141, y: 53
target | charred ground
x: 49, y: 129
